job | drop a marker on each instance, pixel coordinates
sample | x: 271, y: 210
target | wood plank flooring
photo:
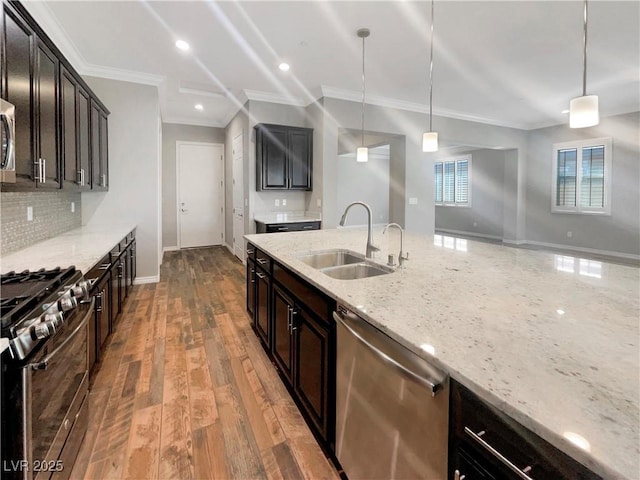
x: 185, y: 391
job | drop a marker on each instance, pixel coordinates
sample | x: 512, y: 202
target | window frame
x: 454, y: 160
x: 579, y: 145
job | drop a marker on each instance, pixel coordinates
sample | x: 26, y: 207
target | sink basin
x: 331, y: 258
x: 355, y: 271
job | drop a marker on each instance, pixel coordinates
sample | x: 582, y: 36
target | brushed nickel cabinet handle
x: 522, y: 473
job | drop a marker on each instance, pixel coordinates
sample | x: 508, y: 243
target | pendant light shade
x: 583, y: 111
x: 430, y: 142
x: 362, y: 153
x: 430, y: 138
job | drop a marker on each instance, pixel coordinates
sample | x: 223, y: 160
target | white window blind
x: 452, y: 181
x: 582, y: 177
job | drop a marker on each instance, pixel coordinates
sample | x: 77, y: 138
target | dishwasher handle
x: 433, y: 386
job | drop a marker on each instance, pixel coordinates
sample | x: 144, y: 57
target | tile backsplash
x: 52, y: 216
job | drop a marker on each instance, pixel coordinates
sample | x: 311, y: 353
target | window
x: 452, y: 179
x: 582, y: 177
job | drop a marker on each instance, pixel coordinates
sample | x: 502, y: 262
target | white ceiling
x: 506, y: 62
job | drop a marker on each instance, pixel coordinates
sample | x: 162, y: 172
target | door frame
x: 233, y: 219
x: 180, y: 143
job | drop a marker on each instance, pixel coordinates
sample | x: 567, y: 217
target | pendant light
x: 583, y: 111
x: 430, y: 138
x: 362, y: 152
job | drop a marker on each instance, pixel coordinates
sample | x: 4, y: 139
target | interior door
x: 238, y: 199
x: 199, y: 194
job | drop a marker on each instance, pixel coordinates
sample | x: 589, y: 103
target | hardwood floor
x: 186, y: 391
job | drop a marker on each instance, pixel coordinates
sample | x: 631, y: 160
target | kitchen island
x: 551, y: 340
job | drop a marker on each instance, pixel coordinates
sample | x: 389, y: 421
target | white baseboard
x: 513, y: 242
x: 145, y: 280
x: 229, y: 247
x: 170, y: 249
x: 470, y: 234
x: 608, y: 253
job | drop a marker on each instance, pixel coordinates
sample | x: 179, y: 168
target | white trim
x: 121, y: 74
x: 145, y: 280
x: 579, y: 145
x: 190, y: 121
x: 173, y: 248
x: 469, y: 234
x: 275, y: 98
x: 180, y: 143
x: 381, y: 101
x: 597, y: 251
x: 514, y: 242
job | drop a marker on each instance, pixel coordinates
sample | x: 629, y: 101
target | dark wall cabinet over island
x: 284, y: 157
x: 61, y: 125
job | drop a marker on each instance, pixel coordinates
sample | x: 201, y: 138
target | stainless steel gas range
x: 44, y: 375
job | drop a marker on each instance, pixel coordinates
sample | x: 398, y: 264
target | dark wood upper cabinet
x: 46, y: 118
x: 55, y: 139
x: 284, y: 157
x: 17, y: 87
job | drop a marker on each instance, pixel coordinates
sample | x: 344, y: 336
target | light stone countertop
x: 551, y: 340
x: 287, y: 217
x: 4, y: 344
x: 82, y: 247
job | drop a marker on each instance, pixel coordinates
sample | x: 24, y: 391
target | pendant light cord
x: 363, y: 89
x: 431, y: 75
x: 584, y: 70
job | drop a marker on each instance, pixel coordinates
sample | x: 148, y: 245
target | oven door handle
x: 45, y: 361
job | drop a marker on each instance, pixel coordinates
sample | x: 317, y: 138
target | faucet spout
x: 370, y: 246
x: 401, y: 256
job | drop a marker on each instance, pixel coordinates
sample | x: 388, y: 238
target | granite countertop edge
x: 82, y: 247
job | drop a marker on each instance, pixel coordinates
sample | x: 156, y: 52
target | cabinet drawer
x: 263, y: 260
x: 292, y: 227
x: 306, y: 294
x: 478, y: 427
x: 251, y: 251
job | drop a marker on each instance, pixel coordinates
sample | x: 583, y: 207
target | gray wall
x: 368, y: 182
x: 485, y: 215
x: 171, y: 133
x: 134, y: 169
x: 51, y: 216
x: 619, y: 232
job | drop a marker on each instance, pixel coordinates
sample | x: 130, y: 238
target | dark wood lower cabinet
x: 293, y: 320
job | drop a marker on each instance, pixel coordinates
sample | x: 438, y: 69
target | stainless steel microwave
x: 7, y: 142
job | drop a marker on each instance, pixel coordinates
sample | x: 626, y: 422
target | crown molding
x: 191, y: 121
x: 275, y: 98
x: 121, y: 74
x: 388, y: 102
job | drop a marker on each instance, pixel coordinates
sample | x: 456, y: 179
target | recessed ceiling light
x: 182, y: 45
x: 199, y: 106
x: 564, y: 111
x: 284, y: 67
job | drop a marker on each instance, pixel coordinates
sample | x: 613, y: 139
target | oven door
x: 56, y: 386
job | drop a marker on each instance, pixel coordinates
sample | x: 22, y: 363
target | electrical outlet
x: 73, y: 207
x: 284, y: 202
x: 246, y: 202
x: 277, y: 202
x: 319, y: 202
x: 475, y: 224
x: 29, y: 214
x: 413, y: 201
x: 569, y: 234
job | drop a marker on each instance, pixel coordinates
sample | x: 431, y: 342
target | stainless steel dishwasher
x: 392, y: 406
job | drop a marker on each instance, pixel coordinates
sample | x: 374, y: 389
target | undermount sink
x: 343, y: 264
x: 331, y: 258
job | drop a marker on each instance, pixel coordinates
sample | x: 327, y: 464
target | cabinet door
x: 17, y: 88
x: 263, y: 304
x: 104, y: 151
x: 282, y: 332
x: 300, y: 153
x: 312, y: 367
x: 133, y: 258
x: 72, y: 175
x: 84, y: 138
x: 251, y: 287
x: 99, y: 150
x: 272, y: 153
x: 46, y: 117
x: 105, y: 320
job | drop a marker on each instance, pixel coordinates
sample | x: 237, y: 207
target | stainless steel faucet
x: 401, y: 257
x: 370, y: 246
